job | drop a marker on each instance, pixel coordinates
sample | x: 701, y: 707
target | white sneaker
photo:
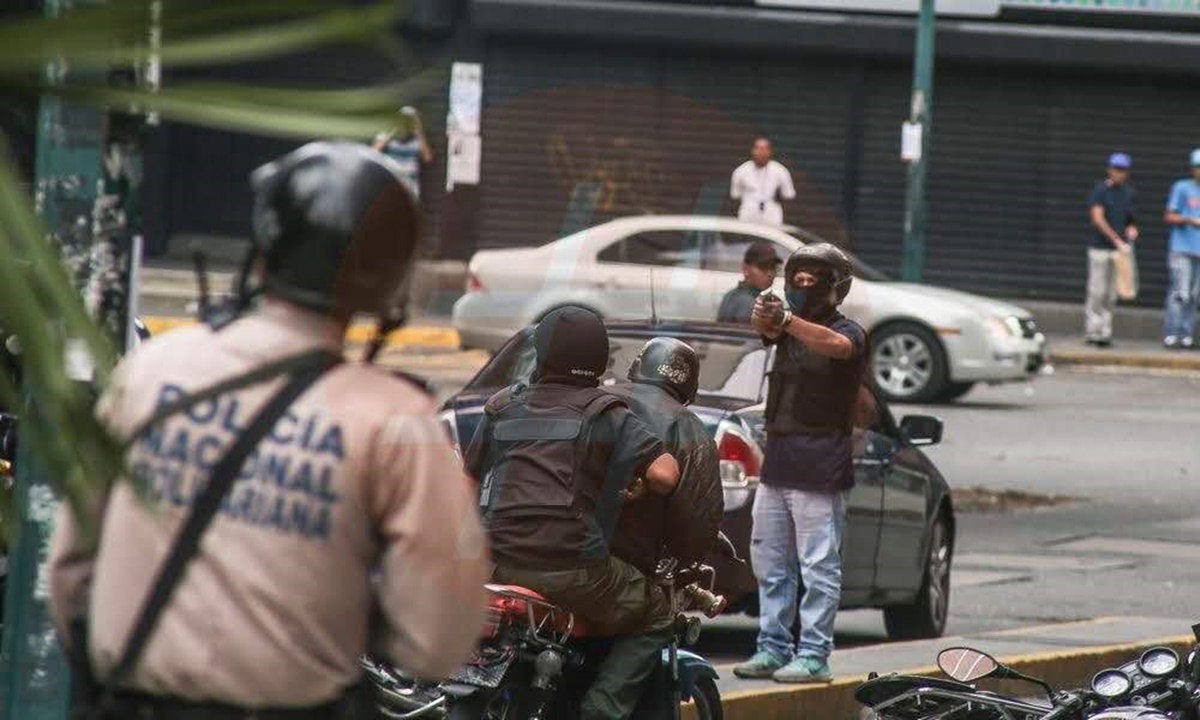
x: 1188, y: 343
x: 1171, y: 342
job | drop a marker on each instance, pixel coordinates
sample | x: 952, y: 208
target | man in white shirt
x: 760, y: 183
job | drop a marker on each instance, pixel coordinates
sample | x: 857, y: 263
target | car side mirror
x: 921, y: 429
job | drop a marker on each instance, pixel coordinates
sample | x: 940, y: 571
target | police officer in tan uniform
x: 271, y: 617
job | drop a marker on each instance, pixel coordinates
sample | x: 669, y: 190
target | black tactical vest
x: 541, y: 471
x: 811, y: 393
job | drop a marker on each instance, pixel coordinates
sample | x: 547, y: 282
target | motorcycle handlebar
x: 1066, y: 709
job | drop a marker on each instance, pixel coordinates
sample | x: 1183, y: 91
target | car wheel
x: 908, y: 363
x: 955, y: 390
x: 926, y: 616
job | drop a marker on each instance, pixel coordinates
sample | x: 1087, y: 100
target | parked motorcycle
x: 536, y: 661
x: 1156, y: 685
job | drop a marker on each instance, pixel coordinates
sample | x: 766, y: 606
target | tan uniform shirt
x: 273, y: 611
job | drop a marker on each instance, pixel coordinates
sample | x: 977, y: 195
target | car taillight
x: 474, y: 285
x: 450, y: 425
x: 740, y: 463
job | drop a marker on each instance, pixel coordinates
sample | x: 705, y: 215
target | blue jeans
x: 797, y: 535
x: 1183, y: 295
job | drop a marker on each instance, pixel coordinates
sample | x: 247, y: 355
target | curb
x: 1073, y: 667
x: 437, y: 336
x: 1100, y: 358
x: 430, y: 336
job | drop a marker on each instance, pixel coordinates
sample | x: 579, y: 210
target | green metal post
x: 921, y: 114
x: 35, y: 677
x: 84, y: 202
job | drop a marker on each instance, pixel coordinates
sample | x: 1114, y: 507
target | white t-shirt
x: 757, y: 187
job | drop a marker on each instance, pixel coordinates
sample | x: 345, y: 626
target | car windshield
x: 861, y: 269
x: 729, y: 368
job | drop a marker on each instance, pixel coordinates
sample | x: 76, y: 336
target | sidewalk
x: 1071, y: 351
x: 1065, y: 655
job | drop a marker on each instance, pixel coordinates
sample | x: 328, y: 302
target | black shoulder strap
x: 305, y: 370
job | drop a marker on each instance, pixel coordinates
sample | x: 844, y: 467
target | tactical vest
x: 811, y: 393
x: 541, y: 468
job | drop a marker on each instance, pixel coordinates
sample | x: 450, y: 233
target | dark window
x: 665, y: 248
x: 727, y: 369
x: 513, y: 363
x: 725, y: 252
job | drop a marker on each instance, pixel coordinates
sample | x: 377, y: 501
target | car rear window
x: 730, y: 368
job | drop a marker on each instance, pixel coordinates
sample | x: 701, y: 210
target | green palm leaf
x: 38, y: 301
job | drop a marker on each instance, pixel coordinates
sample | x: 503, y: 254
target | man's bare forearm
x: 820, y: 339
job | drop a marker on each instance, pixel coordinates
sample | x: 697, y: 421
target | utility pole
x: 918, y: 132
x: 85, y: 188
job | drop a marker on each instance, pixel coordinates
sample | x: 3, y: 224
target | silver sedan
x: 927, y: 343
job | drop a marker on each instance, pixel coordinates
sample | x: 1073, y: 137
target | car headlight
x: 1004, y: 327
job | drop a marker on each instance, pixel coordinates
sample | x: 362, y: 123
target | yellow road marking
x: 359, y: 333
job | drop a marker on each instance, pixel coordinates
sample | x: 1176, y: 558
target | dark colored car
x: 900, y: 523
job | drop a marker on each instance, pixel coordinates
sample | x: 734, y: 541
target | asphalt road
x: 1125, y: 445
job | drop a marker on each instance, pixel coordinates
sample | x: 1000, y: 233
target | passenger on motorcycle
x: 662, y: 382
x: 555, y: 461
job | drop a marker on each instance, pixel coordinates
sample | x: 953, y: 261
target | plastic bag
x: 1127, y: 274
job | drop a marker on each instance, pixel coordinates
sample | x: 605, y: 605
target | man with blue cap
x: 1110, y: 208
x: 1183, y: 215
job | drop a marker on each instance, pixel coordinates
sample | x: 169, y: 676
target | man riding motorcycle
x: 554, y: 461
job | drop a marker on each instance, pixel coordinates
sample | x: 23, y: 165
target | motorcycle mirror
x: 966, y: 664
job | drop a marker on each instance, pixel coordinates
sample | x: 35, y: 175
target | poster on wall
x: 466, y: 98
x: 464, y: 146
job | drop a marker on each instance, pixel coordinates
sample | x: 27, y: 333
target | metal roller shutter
x: 655, y: 133
x: 1015, y: 153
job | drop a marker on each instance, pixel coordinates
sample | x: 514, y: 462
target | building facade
x: 651, y: 104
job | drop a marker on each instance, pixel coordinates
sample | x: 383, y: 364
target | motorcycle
x: 1156, y: 685
x: 536, y: 660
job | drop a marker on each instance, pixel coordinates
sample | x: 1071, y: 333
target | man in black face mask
x: 800, y: 507
x: 555, y: 462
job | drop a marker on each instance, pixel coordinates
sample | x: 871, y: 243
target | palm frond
x: 38, y: 300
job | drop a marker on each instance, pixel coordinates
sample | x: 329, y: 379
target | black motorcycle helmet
x: 572, y: 347
x: 833, y: 270
x: 335, y: 229
x: 671, y: 364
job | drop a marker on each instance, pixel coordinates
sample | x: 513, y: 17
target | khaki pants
x: 1101, y: 294
x: 615, y: 599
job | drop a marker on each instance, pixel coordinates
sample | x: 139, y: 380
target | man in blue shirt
x: 1110, y: 210
x: 1183, y: 215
